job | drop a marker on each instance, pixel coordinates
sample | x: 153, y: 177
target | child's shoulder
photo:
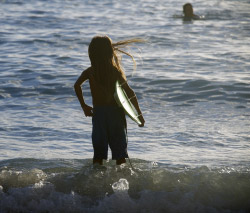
x: 121, y: 77
x: 87, y: 72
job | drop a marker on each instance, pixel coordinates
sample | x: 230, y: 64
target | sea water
x: 193, y: 85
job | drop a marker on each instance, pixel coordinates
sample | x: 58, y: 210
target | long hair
x: 105, y: 58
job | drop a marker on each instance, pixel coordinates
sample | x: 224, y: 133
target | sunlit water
x: 192, y: 82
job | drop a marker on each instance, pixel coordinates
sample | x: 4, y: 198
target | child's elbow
x: 76, y: 86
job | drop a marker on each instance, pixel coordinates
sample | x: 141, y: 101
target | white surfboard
x: 123, y: 101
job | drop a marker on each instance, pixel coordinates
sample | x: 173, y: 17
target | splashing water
x: 75, y: 185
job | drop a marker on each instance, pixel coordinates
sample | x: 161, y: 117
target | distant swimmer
x: 189, y: 12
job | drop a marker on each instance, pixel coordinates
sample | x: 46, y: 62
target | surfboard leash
x: 127, y: 143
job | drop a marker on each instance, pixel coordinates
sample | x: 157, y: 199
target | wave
x: 166, y: 90
x: 196, y: 90
x: 63, y: 185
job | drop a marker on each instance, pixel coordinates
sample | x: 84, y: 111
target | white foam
x: 121, y: 186
x: 154, y: 188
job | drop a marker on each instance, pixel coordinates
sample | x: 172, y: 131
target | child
x: 108, y: 120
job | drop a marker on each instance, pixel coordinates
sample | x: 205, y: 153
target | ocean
x: 193, y: 86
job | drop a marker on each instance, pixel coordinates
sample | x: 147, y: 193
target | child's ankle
x: 120, y: 161
x: 97, y: 161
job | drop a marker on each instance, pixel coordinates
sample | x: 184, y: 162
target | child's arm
x: 83, y: 77
x: 131, y: 95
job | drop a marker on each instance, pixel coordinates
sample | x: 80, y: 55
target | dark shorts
x: 109, y: 129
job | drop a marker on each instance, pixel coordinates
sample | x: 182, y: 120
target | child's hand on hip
x: 88, y: 111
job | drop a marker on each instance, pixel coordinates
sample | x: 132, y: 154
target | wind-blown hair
x: 105, y: 60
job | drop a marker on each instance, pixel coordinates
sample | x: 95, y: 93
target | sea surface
x: 193, y: 85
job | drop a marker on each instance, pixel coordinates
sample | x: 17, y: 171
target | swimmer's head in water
x: 188, y: 10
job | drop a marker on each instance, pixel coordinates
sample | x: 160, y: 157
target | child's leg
x: 120, y: 161
x: 99, y: 135
x: 117, y: 135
